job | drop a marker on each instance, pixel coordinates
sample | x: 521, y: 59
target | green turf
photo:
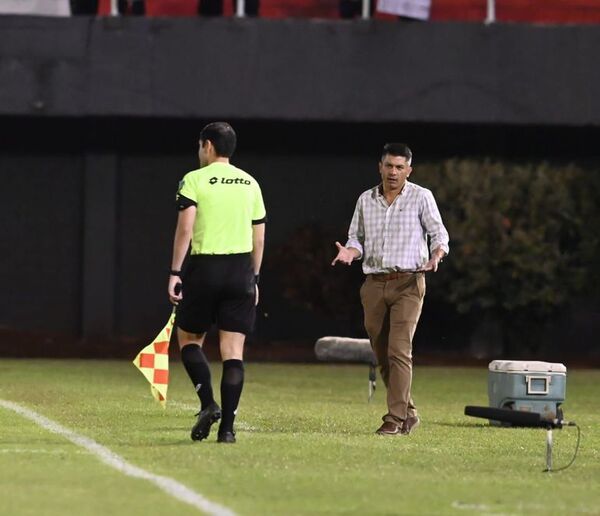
x: 305, y: 445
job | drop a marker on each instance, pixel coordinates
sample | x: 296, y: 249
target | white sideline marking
x: 167, y: 484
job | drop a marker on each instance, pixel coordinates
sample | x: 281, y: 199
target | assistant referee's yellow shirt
x: 228, y: 201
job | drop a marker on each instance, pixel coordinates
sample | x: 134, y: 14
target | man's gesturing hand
x: 345, y: 255
x: 433, y: 263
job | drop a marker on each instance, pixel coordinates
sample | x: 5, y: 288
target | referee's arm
x: 258, y: 246
x: 181, y: 244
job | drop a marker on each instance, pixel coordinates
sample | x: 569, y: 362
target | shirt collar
x: 379, y: 189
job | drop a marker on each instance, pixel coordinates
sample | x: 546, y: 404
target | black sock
x: 196, y: 365
x: 232, y: 382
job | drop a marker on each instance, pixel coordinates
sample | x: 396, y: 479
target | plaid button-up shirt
x: 394, y: 237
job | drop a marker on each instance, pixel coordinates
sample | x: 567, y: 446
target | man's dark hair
x: 397, y: 149
x: 222, y: 136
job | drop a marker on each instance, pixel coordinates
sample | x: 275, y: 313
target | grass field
x: 305, y: 445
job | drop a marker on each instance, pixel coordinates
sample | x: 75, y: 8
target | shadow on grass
x: 173, y: 429
x: 179, y: 442
x: 462, y: 425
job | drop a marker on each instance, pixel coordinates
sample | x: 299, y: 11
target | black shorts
x: 218, y: 289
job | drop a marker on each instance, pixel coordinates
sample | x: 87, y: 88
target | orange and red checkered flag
x: 153, y: 362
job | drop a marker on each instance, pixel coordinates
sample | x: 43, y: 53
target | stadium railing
x: 488, y: 11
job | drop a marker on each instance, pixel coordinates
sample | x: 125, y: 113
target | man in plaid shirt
x: 389, y: 231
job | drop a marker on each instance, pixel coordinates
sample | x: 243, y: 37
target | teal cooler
x: 529, y: 386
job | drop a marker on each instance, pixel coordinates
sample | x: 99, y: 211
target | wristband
x: 256, y: 278
x: 175, y: 273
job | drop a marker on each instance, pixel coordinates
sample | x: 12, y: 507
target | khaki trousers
x: 392, y: 309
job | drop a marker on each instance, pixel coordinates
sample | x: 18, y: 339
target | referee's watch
x: 175, y: 273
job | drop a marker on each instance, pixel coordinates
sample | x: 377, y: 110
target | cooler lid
x: 526, y: 366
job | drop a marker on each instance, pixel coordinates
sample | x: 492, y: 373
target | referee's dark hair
x: 397, y: 149
x: 222, y: 136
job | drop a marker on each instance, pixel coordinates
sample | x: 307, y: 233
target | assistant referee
x: 222, y: 214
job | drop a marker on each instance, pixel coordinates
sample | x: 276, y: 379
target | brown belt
x: 392, y: 275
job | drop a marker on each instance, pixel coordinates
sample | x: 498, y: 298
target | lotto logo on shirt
x: 229, y: 181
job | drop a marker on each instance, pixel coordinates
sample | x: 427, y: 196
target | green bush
x: 523, y: 239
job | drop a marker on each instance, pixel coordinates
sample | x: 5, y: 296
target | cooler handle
x: 538, y: 384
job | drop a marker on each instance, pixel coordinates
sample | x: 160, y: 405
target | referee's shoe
x: 206, y: 418
x: 226, y: 437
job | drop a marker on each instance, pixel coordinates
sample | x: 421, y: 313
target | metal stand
x: 549, y: 449
x: 240, y: 10
x: 366, y: 9
x: 491, y: 12
x: 372, y: 377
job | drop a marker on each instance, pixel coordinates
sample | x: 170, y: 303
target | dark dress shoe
x: 410, y: 423
x: 389, y: 428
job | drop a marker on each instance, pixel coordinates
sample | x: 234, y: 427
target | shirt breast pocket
x: 408, y: 219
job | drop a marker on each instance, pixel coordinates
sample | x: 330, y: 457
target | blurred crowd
x: 409, y: 9
x: 346, y: 9
x: 549, y: 11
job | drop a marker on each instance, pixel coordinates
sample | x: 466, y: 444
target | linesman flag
x: 153, y: 362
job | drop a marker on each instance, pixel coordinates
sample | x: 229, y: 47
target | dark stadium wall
x: 100, y: 118
x: 300, y: 70
x: 87, y: 236
x: 88, y: 219
x: 41, y: 230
